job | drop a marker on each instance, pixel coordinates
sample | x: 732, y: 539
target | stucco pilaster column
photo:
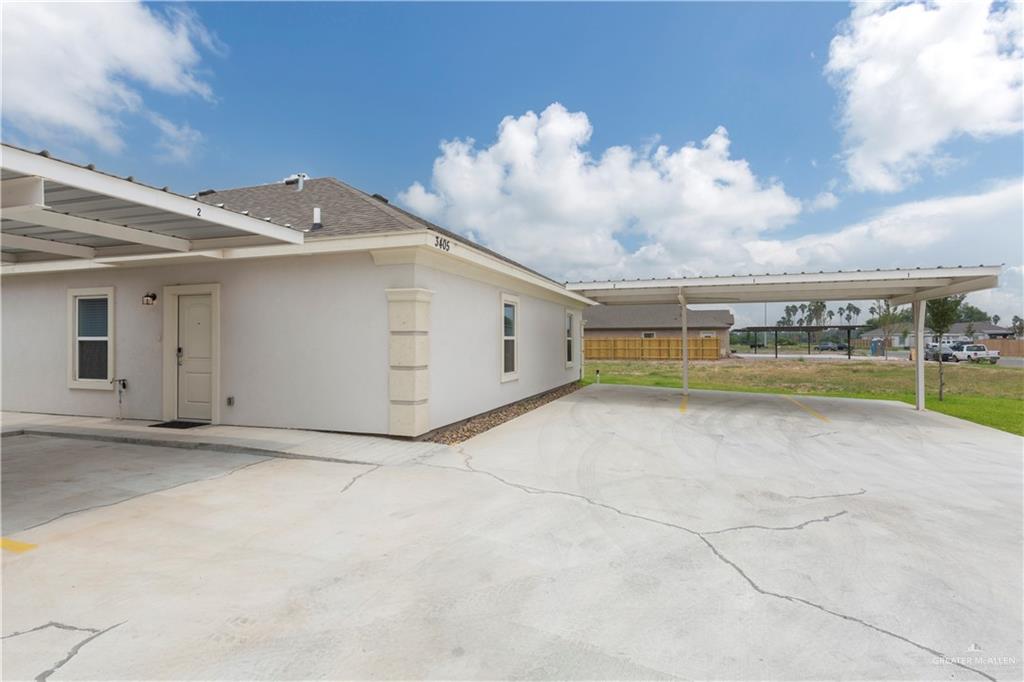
x: 408, y: 361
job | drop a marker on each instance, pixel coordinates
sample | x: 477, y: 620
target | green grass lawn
x: 985, y: 394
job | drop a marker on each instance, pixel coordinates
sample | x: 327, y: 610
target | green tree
x: 995, y: 320
x: 1017, y: 325
x: 970, y: 313
x: 940, y: 315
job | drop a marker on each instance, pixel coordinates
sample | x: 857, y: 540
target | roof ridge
x: 265, y: 184
x: 382, y: 206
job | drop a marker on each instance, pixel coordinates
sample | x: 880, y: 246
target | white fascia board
x: 162, y: 258
x: 338, y: 245
x: 962, y: 287
x: 800, y: 278
x: 41, y: 215
x: 27, y: 163
x: 470, y: 254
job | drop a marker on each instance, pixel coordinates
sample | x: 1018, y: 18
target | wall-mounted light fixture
x: 149, y: 299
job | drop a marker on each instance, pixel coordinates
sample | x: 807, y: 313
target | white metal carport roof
x: 53, y: 209
x: 898, y: 286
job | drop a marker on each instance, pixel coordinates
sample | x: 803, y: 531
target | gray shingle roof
x: 344, y: 210
x: 653, y: 316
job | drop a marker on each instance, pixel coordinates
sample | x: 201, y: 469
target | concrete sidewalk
x: 288, y: 443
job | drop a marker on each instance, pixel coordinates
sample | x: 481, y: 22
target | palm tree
x: 830, y: 315
x: 995, y: 320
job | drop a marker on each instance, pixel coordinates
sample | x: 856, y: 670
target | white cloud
x: 968, y: 229
x: 971, y: 229
x: 72, y: 71
x: 177, y: 143
x: 537, y: 195
x: 823, y: 202
x: 913, y: 76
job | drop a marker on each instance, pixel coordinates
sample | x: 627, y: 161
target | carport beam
x: 918, y: 308
x: 685, y: 347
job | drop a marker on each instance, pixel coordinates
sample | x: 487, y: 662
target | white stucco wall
x: 303, y: 341
x: 466, y: 345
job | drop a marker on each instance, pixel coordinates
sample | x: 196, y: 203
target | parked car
x: 976, y: 352
x: 932, y: 353
x: 827, y: 345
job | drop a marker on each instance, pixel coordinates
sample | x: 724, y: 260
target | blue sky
x: 367, y: 93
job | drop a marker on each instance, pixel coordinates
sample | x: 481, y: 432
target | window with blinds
x: 569, y: 324
x: 91, y: 350
x: 509, y: 337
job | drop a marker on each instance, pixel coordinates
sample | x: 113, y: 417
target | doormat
x: 178, y: 424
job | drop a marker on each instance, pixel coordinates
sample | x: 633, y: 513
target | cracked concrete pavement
x: 606, y: 535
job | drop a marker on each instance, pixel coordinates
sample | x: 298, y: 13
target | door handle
x: 181, y: 357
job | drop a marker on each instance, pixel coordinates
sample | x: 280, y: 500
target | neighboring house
x: 305, y: 305
x: 902, y: 335
x: 656, y: 321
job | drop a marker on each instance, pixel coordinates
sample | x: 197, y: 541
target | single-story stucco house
x: 304, y: 304
x: 655, y: 321
x: 902, y: 335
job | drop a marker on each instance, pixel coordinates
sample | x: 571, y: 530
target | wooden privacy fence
x: 1009, y: 347
x: 649, y: 349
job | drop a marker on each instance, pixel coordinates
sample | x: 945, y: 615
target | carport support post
x: 685, y: 347
x: 918, y: 308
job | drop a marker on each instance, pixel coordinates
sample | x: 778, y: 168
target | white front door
x: 195, y: 357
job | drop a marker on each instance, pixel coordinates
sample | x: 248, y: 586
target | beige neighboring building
x: 659, y: 320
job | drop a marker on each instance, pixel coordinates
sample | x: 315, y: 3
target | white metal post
x: 918, y: 308
x: 686, y: 347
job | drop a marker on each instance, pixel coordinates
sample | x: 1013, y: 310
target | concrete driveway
x: 617, y: 533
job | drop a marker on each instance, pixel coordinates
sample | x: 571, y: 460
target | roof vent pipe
x: 317, y: 225
x: 296, y: 179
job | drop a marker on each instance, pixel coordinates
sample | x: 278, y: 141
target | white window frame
x: 644, y: 335
x: 570, y: 337
x: 73, y: 296
x: 508, y: 299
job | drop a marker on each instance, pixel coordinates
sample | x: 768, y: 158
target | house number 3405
x: 442, y: 243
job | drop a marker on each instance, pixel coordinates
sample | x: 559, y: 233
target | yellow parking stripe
x: 809, y: 410
x: 682, y: 405
x: 16, y: 546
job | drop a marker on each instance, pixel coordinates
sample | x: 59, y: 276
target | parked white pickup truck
x: 975, y: 352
